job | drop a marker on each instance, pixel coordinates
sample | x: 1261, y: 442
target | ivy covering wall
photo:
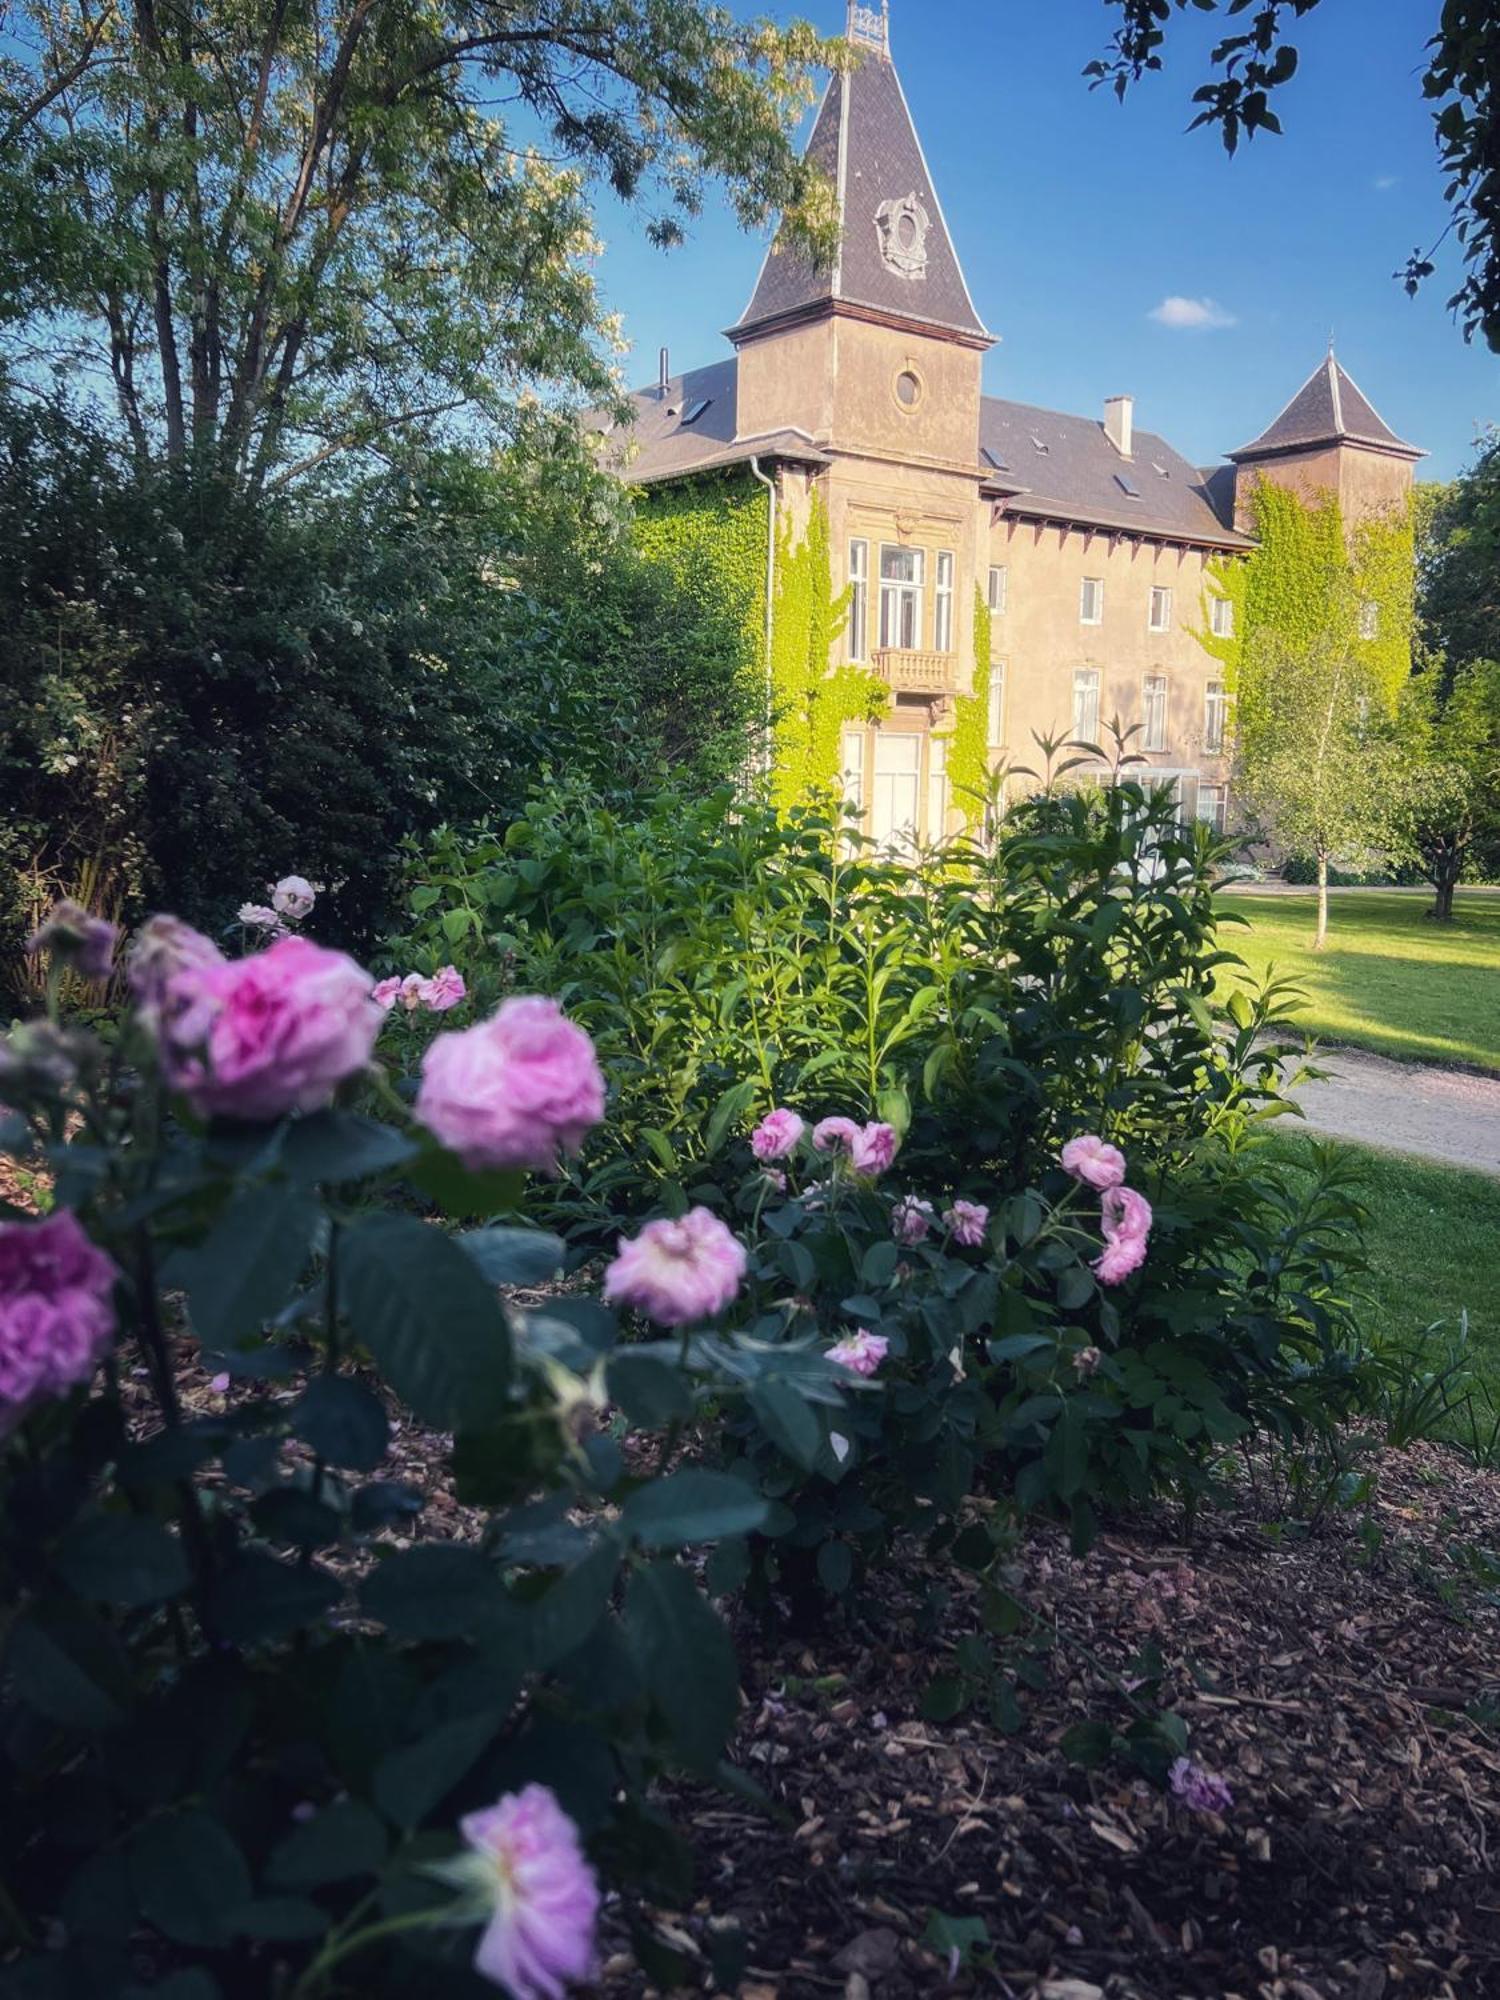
x: 710, y: 533
x: 969, y: 747
x: 1306, y: 583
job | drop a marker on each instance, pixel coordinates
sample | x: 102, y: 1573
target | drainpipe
x: 770, y: 486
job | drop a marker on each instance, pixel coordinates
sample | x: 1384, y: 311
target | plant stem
x: 335, y: 1954
x: 154, y: 1342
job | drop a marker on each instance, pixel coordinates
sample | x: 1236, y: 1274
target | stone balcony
x: 917, y: 673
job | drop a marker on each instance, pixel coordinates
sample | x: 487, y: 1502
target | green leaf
x: 730, y: 1108
x: 694, y: 1505
x: 947, y: 1935
x: 343, y: 1146
x: 836, y: 1567
x: 68, y: 1665
x: 878, y: 1265
x: 411, y: 1783
x: 259, y: 1597
x: 123, y: 1559
x: 339, y: 1844
x: 513, y: 1256
x: 343, y: 1422
x: 440, y: 1590
x: 788, y: 1421
x: 246, y: 1270
x: 686, y: 1660
x: 189, y: 1878
x: 457, y: 923
x: 429, y: 1318
x: 650, y: 1392
x: 1075, y: 1287
x: 281, y: 1919
x: 567, y: 1613
x: 462, y: 1194
x: 944, y: 1698
x: 661, y: 1148
x: 1087, y: 1743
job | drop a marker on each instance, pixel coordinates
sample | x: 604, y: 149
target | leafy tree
x: 1448, y: 814
x: 1461, y: 81
x: 1318, y: 764
x: 284, y: 234
x: 1459, y: 564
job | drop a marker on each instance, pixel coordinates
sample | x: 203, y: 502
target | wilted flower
x: 1086, y: 1362
x: 911, y: 1219
x: 775, y: 1179
x: 515, y: 1091
x: 77, y: 939
x: 873, y: 1149
x: 966, y: 1222
x: 861, y: 1352
x: 1200, y: 1790
x: 1090, y: 1160
x: 525, y: 1876
x: 258, y: 917
x: 56, y: 1311
x: 831, y: 1135
x: 777, y: 1135
x: 444, y: 990
x: 293, y: 897
x: 276, y: 1032
x: 1126, y: 1215
x: 678, y: 1272
x: 162, y: 947
x: 387, y: 992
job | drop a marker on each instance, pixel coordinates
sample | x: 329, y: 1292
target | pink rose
x: 409, y: 992
x: 276, y: 1032
x: 777, y: 1134
x: 526, y: 1864
x: 75, y: 937
x: 57, y: 1311
x: 444, y: 990
x: 259, y: 917
x: 387, y: 993
x: 678, y: 1272
x: 911, y: 1220
x: 832, y: 1134
x: 515, y: 1091
x: 161, y: 948
x: 293, y: 897
x: 1126, y: 1215
x: 966, y: 1222
x: 874, y: 1149
x: 1120, y: 1256
x: 1090, y: 1160
x: 860, y: 1352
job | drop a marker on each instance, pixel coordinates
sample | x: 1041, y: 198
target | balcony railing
x: 919, y: 673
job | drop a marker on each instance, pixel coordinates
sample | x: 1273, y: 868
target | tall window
x: 942, y: 628
x: 854, y: 770
x: 1221, y: 617
x: 999, y: 597
x: 894, y: 792
x: 1215, y: 717
x: 1154, y: 712
x: 938, y: 788
x: 1369, y: 619
x: 1213, y: 806
x: 996, y: 731
x: 1161, y: 608
x: 859, y: 600
x: 902, y: 575
x: 1086, y: 704
x: 1091, y: 601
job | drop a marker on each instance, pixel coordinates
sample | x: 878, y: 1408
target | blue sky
x: 1076, y: 219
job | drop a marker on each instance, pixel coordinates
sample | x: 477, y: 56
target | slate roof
x: 1079, y: 476
x: 666, y: 445
x: 1329, y: 408
x: 865, y: 142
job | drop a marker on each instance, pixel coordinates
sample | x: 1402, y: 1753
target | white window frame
x: 1086, y: 691
x: 939, y: 789
x: 1218, y: 814
x: 854, y: 770
x: 859, y: 598
x: 1155, y: 704
x: 995, y: 718
x: 1221, y: 617
x: 1215, y: 718
x: 903, y: 782
x: 1091, y: 591
x: 901, y: 605
x: 942, y: 603
x: 1160, y: 599
x: 1369, y: 619
x: 999, y: 590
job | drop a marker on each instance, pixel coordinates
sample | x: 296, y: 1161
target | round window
x: 908, y: 389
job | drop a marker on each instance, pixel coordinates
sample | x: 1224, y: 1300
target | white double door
x: 897, y: 818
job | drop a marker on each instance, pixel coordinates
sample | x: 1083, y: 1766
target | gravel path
x: 1440, y: 1114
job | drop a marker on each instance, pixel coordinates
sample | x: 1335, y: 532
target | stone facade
x: 1092, y: 540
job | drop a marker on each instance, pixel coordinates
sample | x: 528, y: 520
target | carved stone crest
x: 903, y: 227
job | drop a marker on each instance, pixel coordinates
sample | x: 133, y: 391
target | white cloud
x: 1191, y: 315
x: 1385, y: 182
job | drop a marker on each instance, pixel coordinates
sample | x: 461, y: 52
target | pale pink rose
x: 860, y: 1352
x: 78, y: 939
x: 967, y: 1222
x: 516, y: 1091
x: 832, y: 1135
x: 1200, y: 1791
x: 387, y: 993
x: 527, y: 1864
x: 161, y: 948
x: 259, y: 917
x: 1126, y: 1215
x: 911, y: 1220
x: 444, y: 990
x: 276, y: 1032
x: 873, y: 1149
x: 410, y: 991
x: 1090, y: 1160
x: 293, y: 897
x: 1120, y: 1256
x: 57, y: 1311
x: 778, y: 1134
x: 1086, y: 1362
x: 678, y: 1272
x: 775, y: 1180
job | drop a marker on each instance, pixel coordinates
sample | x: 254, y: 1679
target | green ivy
x: 968, y: 753
x: 711, y: 534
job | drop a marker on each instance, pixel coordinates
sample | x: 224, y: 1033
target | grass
x: 1390, y: 980
x: 1433, y: 1246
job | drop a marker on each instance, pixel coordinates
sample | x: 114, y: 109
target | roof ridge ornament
x: 870, y: 27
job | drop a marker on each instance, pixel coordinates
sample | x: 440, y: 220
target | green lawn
x: 1390, y: 980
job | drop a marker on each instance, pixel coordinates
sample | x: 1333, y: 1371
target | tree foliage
x: 1461, y: 81
x: 1448, y: 802
x: 1459, y: 564
x: 283, y: 233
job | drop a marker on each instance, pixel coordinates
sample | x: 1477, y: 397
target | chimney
x: 665, y: 381
x: 1119, y: 423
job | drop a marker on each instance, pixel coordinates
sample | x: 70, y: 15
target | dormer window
x: 695, y: 410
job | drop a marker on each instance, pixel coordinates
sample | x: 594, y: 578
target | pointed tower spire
x: 1329, y: 409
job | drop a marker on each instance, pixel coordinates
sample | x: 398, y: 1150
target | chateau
x: 1097, y: 550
